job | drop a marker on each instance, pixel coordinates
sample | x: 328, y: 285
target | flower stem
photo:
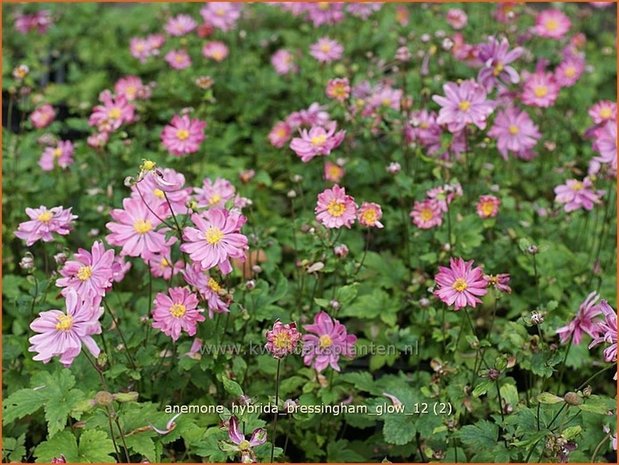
x: 279, y: 363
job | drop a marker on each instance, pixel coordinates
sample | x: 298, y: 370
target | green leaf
x: 63, y: 443
x: 548, y: 398
x: 481, y: 435
x: 21, y: 403
x: 95, y: 447
x: 232, y: 386
x: 142, y: 444
x: 598, y: 404
x: 340, y: 452
x: 482, y: 388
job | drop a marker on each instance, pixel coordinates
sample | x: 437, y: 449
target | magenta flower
x: 177, y: 311
x: 456, y: 18
x: 426, y: 214
x: 607, y: 332
x: 242, y: 445
x: 496, y: 58
x: 569, y: 71
x: 326, y: 50
x: 62, y: 334
x: 369, y: 214
x: 112, y: 113
x: 540, y: 89
x: 43, y: 223
x: 214, y: 193
x: 215, y: 239
x: 38, y: 21
x: 499, y: 281
x: 329, y: 342
x: 178, y: 59
x: 180, y: 25
x: 215, y: 50
x: 318, y: 141
x: 460, y: 285
x: 585, y: 321
x: 221, y: 15
x: 61, y: 155
x: 552, y: 24
x: 488, y: 206
x: 134, y: 229
x: 183, y: 135
x: 158, y: 184
x: 463, y: 104
x: 282, y: 339
x: 89, y: 273
x: 514, y: 132
x: 283, y: 62
x: 42, y: 116
x: 280, y: 134
x: 577, y: 194
x: 338, y: 89
x: 208, y: 288
x: 335, y: 209
x: 132, y: 88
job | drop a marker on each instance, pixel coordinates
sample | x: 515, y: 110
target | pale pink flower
x: 514, y: 132
x: 112, y: 113
x: 216, y: 239
x: 132, y: 88
x: 214, y: 193
x: 120, y: 267
x: 245, y: 446
x: 62, y: 334
x: 44, y: 223
x: 444, y: 195
x: 363, y: 10
x: 178, y: 59
x: 215, y: 50
x: 335, y: 208
x: 61, y: 155
x: 369, y: 214
x: 208, y: 287
x: 221, y: 15
x: 457, y: 18
x: 569, y: 71
x: 333, y: 172
x: 180, y: 25
x: 42, y: 116
x: 177, y: 311
x: 144, y: 48
x: 500, y: 282
x: 282, y: 339
x: 463, y: 104
x: 552, y: 24
x: 603, y: 111
x: 605, y: 143
x: 158, y: 184
x: 183, y: 135
x: 577, y: 194
x: 497, y: 58
x: 488, y: 206
x: 324, y: 13
x: 607, y: 332
x: 540, y: 89
x: 38, y: 21
x: 280, y: 134
x: 585, y: 321
x: 98, y: 140
x: 283, y: 62
x: 326, y: 50
x: 426, y: 214
x: 329, y: 342
x: 162, y: 266
x: 89, y: 273
x: 461, y: 284
x: 338, y: 89
x: 318, y: 141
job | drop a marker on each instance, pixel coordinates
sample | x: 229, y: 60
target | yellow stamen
x: 335, y: 208
x: 325, y: 47
x: 84, y: 273
x: 498, y: 68
x: 65, y: 322
x: 552, y: 24
x: 182, y: 134
x: 159, y: 193
x: 369, y: 216
x: 214, y: 286
x: 487, y: 208
x: 460, y: 285
x: 164, y: 263
x: 215, y: 198
x: 540, y: 91
x: 213, y: 235
x: 325, y: 341
x: 317, y: 141
x: 570, y: 71
x: 45, y: 217
x: 114, y: 113
x: 57, y: 152
x: 513, y: 130
x: 142, y: 226
x: 578, y: 186
x: 464, y: 105
x: 282, y: 340
x: 244, y: 445
x: 426, y: 214
x: 606, y: 113
x: 148, y: 165
x: 178, y: 310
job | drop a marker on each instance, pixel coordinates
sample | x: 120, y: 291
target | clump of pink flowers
x: 461, y: 284
x: 61, y: 155
x: 178, y: 59
x: 552, y: 24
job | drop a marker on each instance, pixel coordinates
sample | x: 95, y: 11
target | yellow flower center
x: 570, y: 71
x: 131, y: 91
x: 214, y: 285
x: 426, y: 214
x: 182, y: 134
x: 369, y: 216
x: 317, y: 141
x: 335, y: 208
x: 325, y: 47
x: 159, y: 193
x: 606, y: 113
x: 220, y: 12
x: 142, y: 226
x: 460, y: 285
x: 84, y: 273
x: 339, y: 90
x: 513, y: 130
x: 213, y: 235
x: 215, y: 198
x: 148, y: 165
x: 578, y: 186
x: 540, y: 91
x: 178, y: 310
x: 57, y: 152
x: 164, y: 263
x: 45, y: 217
x: 139, y: 47
x: 464, y: 105
x: 217, y: 55
x: 179, y: 58
x: 325, y: 341
x: 498, y: 68
x: 244, y: 445
x: 281, y: 132
x: 487, y: 208
x: 552, y: 24
x: 282, y: 341
x: 323, y: 6
x: 114, y: 113
x: 64, y: 322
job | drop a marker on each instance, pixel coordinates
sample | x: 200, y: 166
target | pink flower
x: 329, y: 342
x: 120, y: 267
x: 385, y: 97
x: 369, y: 214
x: 61, y: 334
x: 325, y: 13
x: 606, y: 144
x: 89, y: 273
x: 177, y: 311
x: 242, y: 445
x: 603, y: 111
x: 363, y: 10
x: 456, y: 18
x: 444, y: 195
x: 338, y: 89
x: 463, y: 104
x: 162, y: 266
x: 38, y: 21
x: 607, y: 332
x: 540, y: 89
x: 499, y: 281
x: 43, y: 223
x: 183, y: 135
x: 180, y: 25
x: 577, y: 194
x: 144, y: 48
x: 98, y: 140
x: 112, y: 113
x: 514, y: 132
x: 427, y: 214
x: 208, y: 287
x: 214, y: 193
x: 460, y: 285
x: 215, y: 239
x: 42, y: 116
x: 282, y: 339
x: 488, y: 206
x: 585, y: 321
x: 326, y: 50
x: 134, y: 229
x: 62, y: 155
x: 158, y: 184
x: 178, y: 59
x: 215, y: 50
x: 131, y: 88
x: 280, y: 134
x: 496, y: 58
x: 552, y: 24
x: 283, y: 62
x: 221, y: 15
x: 318, y: 141
x: 333, y: 172
x: 341, y: 250
x: 335, y: 209
x: 569, y: 72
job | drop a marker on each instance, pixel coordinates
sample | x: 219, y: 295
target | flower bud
x: 104, y: 398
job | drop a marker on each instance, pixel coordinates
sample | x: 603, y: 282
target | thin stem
x: 562, y: 368
x: 368, y: 239
x: 122, y: 336
x: 279, y: 363
x: 598, y: 447
x: 451, y: 247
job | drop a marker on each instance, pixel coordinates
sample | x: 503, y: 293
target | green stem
x: 279, y: 363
